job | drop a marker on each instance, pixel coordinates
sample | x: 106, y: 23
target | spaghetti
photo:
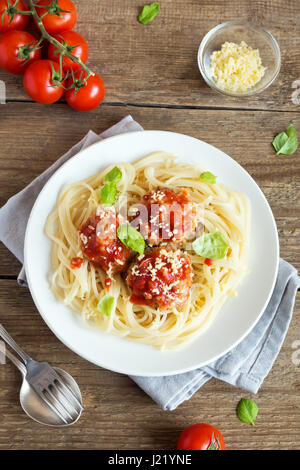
x: 188, y: 289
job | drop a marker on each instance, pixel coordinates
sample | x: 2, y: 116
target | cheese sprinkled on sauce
x: 236, y: 67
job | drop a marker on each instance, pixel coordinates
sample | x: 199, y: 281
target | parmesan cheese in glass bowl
x: 238, y: 58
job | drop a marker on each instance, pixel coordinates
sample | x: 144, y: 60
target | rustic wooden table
x: 151, y: 73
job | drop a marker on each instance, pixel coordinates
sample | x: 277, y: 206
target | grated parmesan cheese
x: 84, y: 238
x: 236, y: 67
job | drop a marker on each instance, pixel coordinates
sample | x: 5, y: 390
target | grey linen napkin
x: 245, y: 366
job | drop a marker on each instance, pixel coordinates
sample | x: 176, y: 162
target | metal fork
x: 47, y: 384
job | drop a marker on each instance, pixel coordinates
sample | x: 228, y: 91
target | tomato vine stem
x: 62, y: 49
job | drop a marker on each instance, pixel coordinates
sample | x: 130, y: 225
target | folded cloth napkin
x: 245, y: 366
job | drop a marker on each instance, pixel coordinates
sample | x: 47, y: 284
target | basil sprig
x: 211, y: 245
x: 109, y: 191
x: 131, y: 237
x: 208, y: 177
x: 286, y: 142
x: 247, y: 411
x: 106, y: 304
x: 149, y: 12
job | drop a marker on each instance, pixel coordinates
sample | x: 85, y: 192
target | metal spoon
x: 33, y: 405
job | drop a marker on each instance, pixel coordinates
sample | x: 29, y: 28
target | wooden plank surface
x: 245, y: 135
x: 151, y: 73
x: 163, y: 54
x: 118, y: 415
x: 110, y: 397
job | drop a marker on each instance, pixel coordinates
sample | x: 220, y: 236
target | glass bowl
x: 255, y: 37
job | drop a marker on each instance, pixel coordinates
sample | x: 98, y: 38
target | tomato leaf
x: 114, y: 176
x: 211, y: 245
x: 149, y: 12
x: 214, y: 443
x: 247, y: 411
x: 286, y: 143
x: 208, y: 177
x: 105, y: 305
x: 131, y: 237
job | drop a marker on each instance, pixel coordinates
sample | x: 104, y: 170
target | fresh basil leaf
x: 208, y: 177
x: 211, y: 245
x: 279, y: 141
x: 109, y: 193
x: 114, y: 176
x: 286, y: 143
x: 149, y: 12
x: 105, y: 305
x: 247, y: 411
x: 292, y: 144
x: 131, y: 237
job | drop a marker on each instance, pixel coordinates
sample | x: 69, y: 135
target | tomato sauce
x: 169, y: 215
x: 208, y: 261
x: 162, y: 278
x: 76, y: 262
x: 100, y: 244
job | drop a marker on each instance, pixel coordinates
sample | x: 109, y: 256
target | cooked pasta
x: 188, y: 288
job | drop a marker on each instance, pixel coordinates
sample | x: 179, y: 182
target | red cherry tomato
x: 61, y: 15
x: 15, y: 55
x: 76, y: 44
x: 40, y: 81
x: 200, y: 437
x: 88, y: 95
x: 18, y: 22
x: 209, y: 261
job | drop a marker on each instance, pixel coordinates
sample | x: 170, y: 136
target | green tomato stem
x: 62, y: 50
x: 20, y: 12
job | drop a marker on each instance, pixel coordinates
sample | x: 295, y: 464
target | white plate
x: 235, y: 319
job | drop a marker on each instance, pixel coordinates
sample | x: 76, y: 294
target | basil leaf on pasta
x: 114, y: 176
x: 109, y: 193
x: 208, y: 177
x: 131, y: 237
x: 106, y: 304
x: 211, y: 245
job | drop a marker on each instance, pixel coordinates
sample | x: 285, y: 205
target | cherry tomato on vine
x: 61, y: 15
x: 16, y: 52
x: 18, y: 21
x: 200, y: 437
x: 76, y: 44
x: 86, y: 95
x: 42, y: 81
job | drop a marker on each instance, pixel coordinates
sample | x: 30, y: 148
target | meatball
x: 166, y: 216
x: 162, y: 278
x: 100, y: 244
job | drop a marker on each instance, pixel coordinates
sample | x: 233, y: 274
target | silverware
x: 48, y: 395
